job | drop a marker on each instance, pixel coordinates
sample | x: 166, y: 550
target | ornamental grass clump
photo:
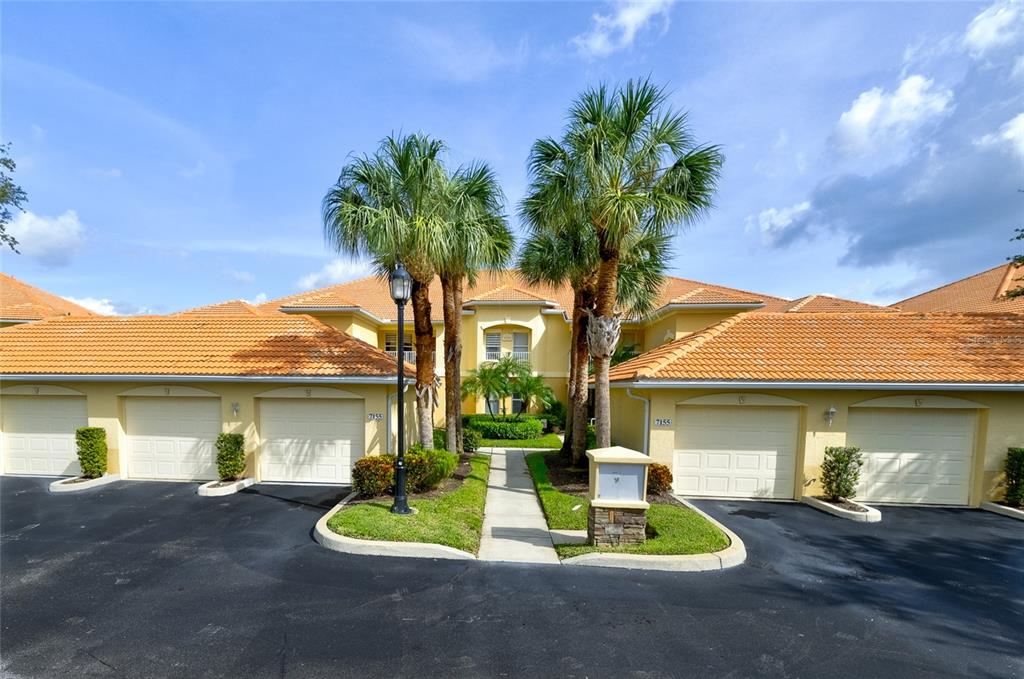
x: 1013, y: 470
x: 91, y: 443
x: 230, y: 456
x: 840, y: 472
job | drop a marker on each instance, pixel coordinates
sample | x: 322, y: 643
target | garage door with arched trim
x: 915, y: 456
x: 310, y: 440
x: 747, y: 452
x: 172, y: 438
x: 39, y: 434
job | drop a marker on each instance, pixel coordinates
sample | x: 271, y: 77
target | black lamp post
x: 401, y: 290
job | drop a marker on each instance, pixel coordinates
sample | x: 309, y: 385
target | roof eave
x: 806, y: 384
x: 339, y: 379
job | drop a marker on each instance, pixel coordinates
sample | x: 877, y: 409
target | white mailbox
x: 618, y: 478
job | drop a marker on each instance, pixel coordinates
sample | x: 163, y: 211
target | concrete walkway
x: 514, y: 525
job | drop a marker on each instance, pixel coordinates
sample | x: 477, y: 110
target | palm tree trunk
x: 603, y: 333
x: 583, y: 301
x: 424, y: 331
x: 457, y: 294
x: 452, y: 361
x: 570, y: 414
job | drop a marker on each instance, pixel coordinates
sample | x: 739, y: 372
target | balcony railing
x: 495, y: 355
x: 409, y: 356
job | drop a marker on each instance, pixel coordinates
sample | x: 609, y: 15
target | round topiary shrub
x: 230, y: 456
x: 374, y: 475
x: 470, y: 440
x: 840, y: 471
x: 91, y: 443
x: 659, y: 478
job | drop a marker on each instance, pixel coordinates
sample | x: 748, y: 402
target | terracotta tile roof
x: 984, y: 291
x: 20, y: 301
x: 841, y: 347
x: 241, y: 345
x: 827, y: 303
x: 372, y: 295
x: 233, y: 307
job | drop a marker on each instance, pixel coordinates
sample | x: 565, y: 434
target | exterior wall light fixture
x: 830, y: 414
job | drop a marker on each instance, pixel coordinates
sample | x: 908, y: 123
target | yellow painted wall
x: 676, y: 324
x: 105, y: 408
x: 1000, y: 425
x: 351, y: 324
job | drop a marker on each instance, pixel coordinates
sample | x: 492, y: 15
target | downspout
x: 647, y: 417
x: 391, y: 400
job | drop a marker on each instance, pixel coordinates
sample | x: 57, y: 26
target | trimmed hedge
x: 508, y: 429
x: 424, y: 470
x: 840, y: 471
x: 91, y: 443
x: 230, y: 456
x: 1013, y: 470
x: 659, y: 478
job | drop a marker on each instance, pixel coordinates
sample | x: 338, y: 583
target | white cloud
x: 774, y: 223
x: 1000, y: 25
x: 257, y: 300
x: 880, y: 121
x: 617, y: 31
x: 240, y: 276
x: 1011, y: 133
x: 109, y: 307
x: 50, y: 240
x: 463, y: 55
x: 335, y: 271
x: 196, y: 170
x: 1018, y: 68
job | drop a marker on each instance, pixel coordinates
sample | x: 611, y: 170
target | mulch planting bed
x: 462, y: 471
x: 842, y: 504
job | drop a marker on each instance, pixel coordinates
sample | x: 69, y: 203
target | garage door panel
x: 914, y: 456
x: 172, y: 438
x: 313, y: 441
x: 735, y: 452
x: 39, y: 434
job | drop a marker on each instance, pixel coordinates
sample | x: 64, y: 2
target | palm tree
x: 392, y: 207
x: 489, y: 381
x: 531, y: 390
x: 570, y: 256
x: 478, y: 237
x: 626, y: 163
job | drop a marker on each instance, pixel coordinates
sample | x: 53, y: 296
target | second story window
x: 521, y: 346
x: 492, y: 346
x: 391, y: 346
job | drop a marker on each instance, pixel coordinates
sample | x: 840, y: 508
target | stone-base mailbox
x: 618, y: 497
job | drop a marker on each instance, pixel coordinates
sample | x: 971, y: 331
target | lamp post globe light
x: 401, y: 291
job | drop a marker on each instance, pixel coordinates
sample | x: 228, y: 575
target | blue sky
x: 176, y: 154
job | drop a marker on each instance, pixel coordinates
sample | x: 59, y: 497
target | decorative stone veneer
x: 612, y: 527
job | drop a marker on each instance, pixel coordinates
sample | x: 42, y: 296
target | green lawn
x: 558, y: 506
x: 680, y: 530
x: 454, y: 519
x: 547, y: 441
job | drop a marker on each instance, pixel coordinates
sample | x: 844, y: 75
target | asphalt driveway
x: 148, y: 579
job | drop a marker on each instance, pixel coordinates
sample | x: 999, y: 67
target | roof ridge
x: 802, y: 302
x: 1008, y: 277
x: 951, y: 283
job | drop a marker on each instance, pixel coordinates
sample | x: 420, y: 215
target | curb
x: 341, y: 543
x: 872, y: 515
x: 733, y: 555
x: 1003, y: 510
x: 62, y: 486
x: 207, y: 489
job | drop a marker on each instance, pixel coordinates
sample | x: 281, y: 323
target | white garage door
x: 914, y: 455
x: 735, y: 452
x: 39, y: 434
x: 310, y: 440
x: 172, y: 438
